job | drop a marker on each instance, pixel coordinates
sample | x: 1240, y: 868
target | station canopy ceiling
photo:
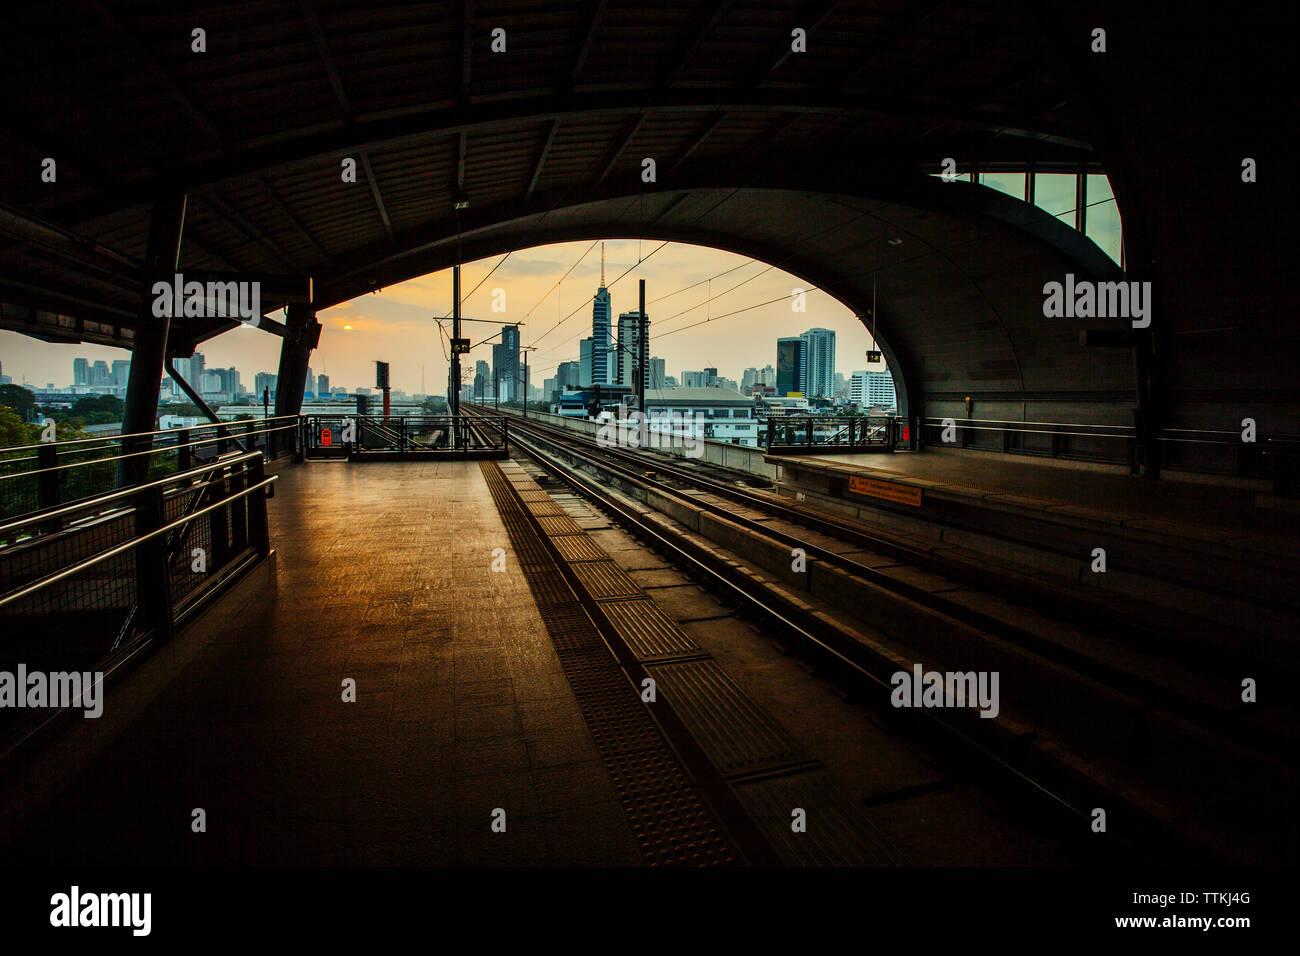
x: 757, y: 147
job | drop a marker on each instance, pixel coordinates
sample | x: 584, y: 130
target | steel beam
x: 303, y: 332
x: 374, y: 191
x: 149, y: 352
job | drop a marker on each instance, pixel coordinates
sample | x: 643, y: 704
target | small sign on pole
x: 459, y: 346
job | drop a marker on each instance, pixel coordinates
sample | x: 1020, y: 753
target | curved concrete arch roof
x: 547, y: 139
x: 959, y: 300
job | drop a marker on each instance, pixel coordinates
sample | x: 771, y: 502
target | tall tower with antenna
x: 601, y: 353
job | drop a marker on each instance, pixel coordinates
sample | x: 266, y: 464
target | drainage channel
x: 702, y: 745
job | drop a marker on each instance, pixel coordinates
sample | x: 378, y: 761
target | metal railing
x: 39, y: 477
x: 1274, y: 457
x: 323, y: 436
x: 1114, y: 443
x: 87, y: 584
x: 804, y: 433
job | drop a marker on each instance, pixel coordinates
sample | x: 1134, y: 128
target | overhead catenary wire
x: 903, y: 261
x: 592, y: 298
x: 480, y: 282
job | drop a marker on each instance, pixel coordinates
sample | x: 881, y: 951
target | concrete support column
x: 149, y: 349
x: 302, y: 336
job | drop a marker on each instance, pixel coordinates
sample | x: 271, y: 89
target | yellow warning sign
x: 903, y: 494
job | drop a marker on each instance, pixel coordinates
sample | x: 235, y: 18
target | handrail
x: 1004, y: 421
x: 161, y: 431
x: 113, y: 552
x: 1040, y: 431
x: 157, y: 449
x: 86, y: 503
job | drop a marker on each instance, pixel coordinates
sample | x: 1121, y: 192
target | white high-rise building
x: 872, y: 390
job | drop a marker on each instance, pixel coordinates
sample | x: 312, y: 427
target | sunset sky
x: 693, y: 308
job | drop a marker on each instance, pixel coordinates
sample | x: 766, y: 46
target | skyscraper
x: 322, y: 385
x: 629, y: 346
x: 789, y: 365
x: 498, y: 371
x: 263, y: 380
x: 657, y: 373
x: 99, y: 374
x: 585, y: 350
x: 121, y: 373
x: 600, y: 314
x: 511, y: 379
x: 568, y: 375
x: 818, y: 363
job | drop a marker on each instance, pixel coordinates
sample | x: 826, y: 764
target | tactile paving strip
x: 834, y: 834
x: 668, y: 816
x: 578, y: 547
x: 559, y: 525
x: 605, y: 579
x: 740, y: 737
x: 531, y: 496
x: 648, y: 631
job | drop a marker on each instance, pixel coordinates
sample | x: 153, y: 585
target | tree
x: 91, y: 404
x: 12, y: 429
x: 19, y: 399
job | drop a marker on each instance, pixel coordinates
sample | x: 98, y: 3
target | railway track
x: 1141, y: 703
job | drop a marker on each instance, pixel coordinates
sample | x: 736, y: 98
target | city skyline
x: 396, y: 324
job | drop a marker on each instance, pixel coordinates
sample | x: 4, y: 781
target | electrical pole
x: 642, y: 352
x: 455, y: 356
x: 526, y: 349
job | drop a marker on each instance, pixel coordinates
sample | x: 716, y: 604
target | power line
x: 701, y: 282
x: 748, y: 308
x: 719, y: 295
x: 592, y: 298
x: 480, y: 282
x: 561, y: 279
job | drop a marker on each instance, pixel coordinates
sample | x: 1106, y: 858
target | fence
x: 91, y: 582
x: 803, y: 434
x: 332, y: 436
x: 43, y: 476
x: 1274, y: 457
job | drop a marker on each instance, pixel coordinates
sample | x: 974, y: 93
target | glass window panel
x: 1103, y: 220
x: 1054, y: 193
x: 1013, y: 184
